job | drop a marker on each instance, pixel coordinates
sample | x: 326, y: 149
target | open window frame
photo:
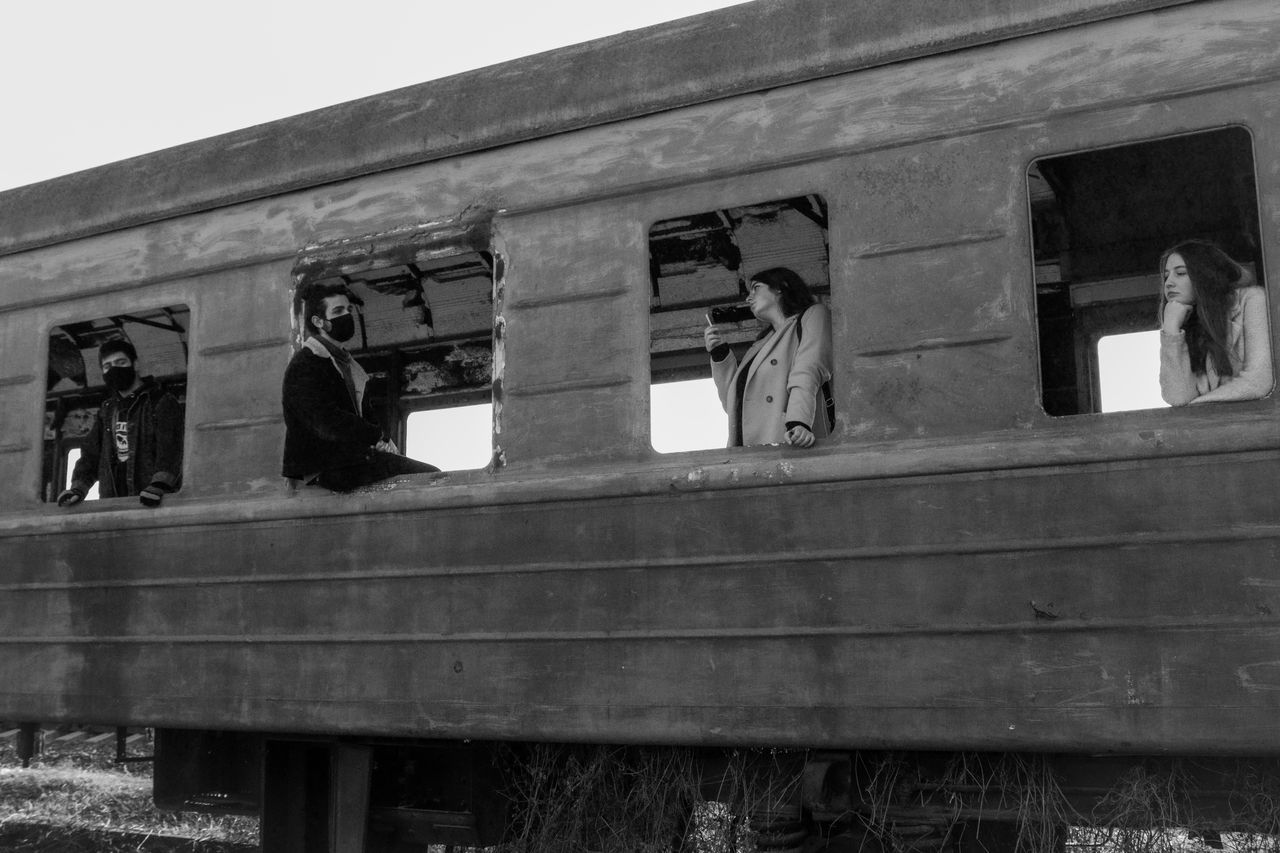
x: 1100, y: 220
x: 424, y: 332
x: 699, y: 269
x: 75, y: 389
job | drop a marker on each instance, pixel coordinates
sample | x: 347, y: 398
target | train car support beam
x: 350, y: 769
x: 27, y: 742
x: 315, y: 797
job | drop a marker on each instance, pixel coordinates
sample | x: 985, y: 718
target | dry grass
x: 601, y: 799
x: 78, y: 799
x: 1147, y: 810
x: 606, y: 799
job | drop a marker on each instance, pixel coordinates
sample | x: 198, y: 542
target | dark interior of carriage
x: 1100, y: 221
x: 74, y: 386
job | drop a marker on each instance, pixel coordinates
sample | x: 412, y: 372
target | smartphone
x: 728, y: 314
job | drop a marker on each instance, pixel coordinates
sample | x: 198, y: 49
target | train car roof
x: 728, y: 52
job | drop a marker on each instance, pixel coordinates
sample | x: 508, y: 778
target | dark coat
x: 322, y: 428
x: 155, y: 444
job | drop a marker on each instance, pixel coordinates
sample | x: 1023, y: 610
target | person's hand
x: 70, y: 497
x: 1175, y: 316
x: 712, y: 337
x: 153, y: 494
x: 800, y: 436
x: 387, y: 446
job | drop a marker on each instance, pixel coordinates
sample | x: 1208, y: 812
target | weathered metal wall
x: 876, y: 593
x: 964, y: 611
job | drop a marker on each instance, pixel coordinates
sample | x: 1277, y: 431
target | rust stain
x: 1259, y: 677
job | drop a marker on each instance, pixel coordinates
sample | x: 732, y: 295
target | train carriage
x: 980, y: 559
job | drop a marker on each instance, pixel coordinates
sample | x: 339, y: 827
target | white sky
x: 87, y: 82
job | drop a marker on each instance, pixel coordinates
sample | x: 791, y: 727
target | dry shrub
x: 1144, y: 812
x: 1150, y: 809
x: 573, y: 799
x: 608, y: 799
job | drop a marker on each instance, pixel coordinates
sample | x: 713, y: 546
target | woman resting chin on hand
x: 1215, y: 343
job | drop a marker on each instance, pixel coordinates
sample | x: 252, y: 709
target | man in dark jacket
x: 135, y: 446
x: 329, y: 440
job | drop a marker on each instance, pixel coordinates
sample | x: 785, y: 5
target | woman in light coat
x: 1214, y: 338
x: 775, y: 394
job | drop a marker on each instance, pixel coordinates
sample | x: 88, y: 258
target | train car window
x: 73, y: 456
x: 1100, y: 222
x: 76, y: 390
x: 699, y: 266
x: 1128, y: 371
x: 464, y: 429
x: 424, y: 335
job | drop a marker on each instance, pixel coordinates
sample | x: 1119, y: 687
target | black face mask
x: 342, y: 329
x: 119, y: 379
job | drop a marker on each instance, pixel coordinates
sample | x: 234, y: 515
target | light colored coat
x: 1249, y: 347
x: 784, y: 381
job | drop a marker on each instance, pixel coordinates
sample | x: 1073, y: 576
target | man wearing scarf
x: 330, y: 440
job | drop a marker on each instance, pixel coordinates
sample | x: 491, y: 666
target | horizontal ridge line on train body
x: 1032, y: 625
x: 1047, y: 452
x: 1121, y: 540
x: 18, y: 379
x: 934, y: 344
x: 238, y: 423
x: 566, y: 298
x: 883, y: 250
x: 566, y: 385
x: 247, y: 346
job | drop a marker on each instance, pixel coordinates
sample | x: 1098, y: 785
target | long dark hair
x: 1215, y: 277
x: 793, y: 293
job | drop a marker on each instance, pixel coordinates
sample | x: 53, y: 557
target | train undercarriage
x: 401, y: 796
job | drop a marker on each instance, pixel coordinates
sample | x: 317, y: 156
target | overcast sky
x: 87, y: 82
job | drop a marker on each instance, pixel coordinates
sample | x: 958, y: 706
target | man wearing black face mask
x: 135, y: 447
x: 329, y: 441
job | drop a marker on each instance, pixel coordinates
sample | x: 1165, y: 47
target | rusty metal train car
x: 981, y: 558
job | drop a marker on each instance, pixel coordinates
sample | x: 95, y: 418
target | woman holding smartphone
x: 778, y: 392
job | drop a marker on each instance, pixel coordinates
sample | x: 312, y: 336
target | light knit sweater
x: 1249, y: 346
